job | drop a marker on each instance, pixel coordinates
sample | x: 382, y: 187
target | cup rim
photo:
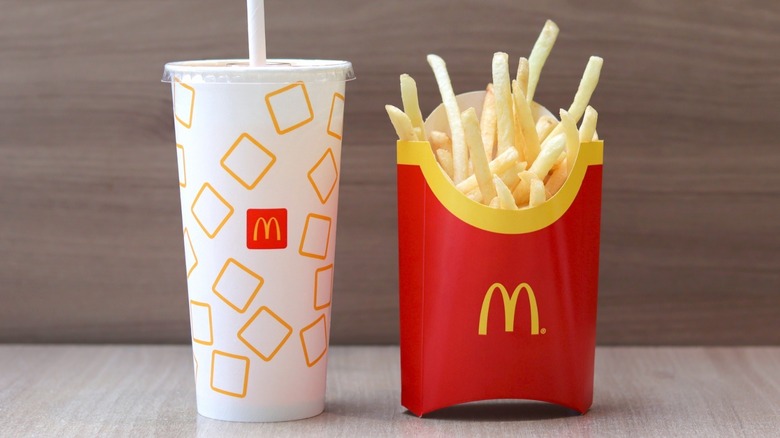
x: 275, y: 71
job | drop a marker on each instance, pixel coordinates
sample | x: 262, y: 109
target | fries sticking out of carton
x: 512, y: 154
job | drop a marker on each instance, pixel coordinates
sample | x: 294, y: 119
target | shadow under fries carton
x: 496, y: 304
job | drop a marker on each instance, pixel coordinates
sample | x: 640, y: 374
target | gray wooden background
x: 90, y: 246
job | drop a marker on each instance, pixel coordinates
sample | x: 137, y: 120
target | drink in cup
x: 259, y: 152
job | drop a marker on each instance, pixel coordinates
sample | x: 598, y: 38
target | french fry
x: 459, y: 153
x: 440, y: 140
x: 478, y: 157
x: 510, y: 177
x: 588, y: 125
x: 522, y: 192
x: 521, y: 78
x: 499, y: 165
x: 519, y: 141
x: 445, y: 161
x: 504, y: 195
x: 544, y: 127
x: 549, y: 155
x: 590, y: 78
x: 572, y: 139
x: 401, y: 123
x: 494, y: 203
x: 475, y: 195
x: 526, y: 124
x: 538, y: 56
x: 557, y: 178
x: 487, y: 122
x: 522, y: 75
x: 537, y: 195
x: 595, y: 136
x: 503, y: 93
x: 412, y: 105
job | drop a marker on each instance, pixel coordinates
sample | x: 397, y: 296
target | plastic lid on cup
x: 275, y: 71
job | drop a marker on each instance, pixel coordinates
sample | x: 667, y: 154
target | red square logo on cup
x: 266, y: 228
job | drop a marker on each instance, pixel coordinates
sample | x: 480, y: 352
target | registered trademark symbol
x: 543, y: 331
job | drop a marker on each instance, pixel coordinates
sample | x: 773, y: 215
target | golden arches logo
x: 267, y: 228
x: 271, y: 219
x: 510, y: 305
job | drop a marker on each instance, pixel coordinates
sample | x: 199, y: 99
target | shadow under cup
x: 259, y: 151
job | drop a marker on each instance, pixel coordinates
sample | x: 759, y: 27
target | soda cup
x: 259, y: 153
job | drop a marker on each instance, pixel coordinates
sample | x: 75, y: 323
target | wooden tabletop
x: 148, y: 391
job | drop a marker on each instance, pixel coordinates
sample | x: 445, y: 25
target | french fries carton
x: 496, y: 304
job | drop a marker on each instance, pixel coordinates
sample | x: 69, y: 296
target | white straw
x: 256, y: 25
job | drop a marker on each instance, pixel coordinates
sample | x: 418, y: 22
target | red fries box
x: 496, y: 304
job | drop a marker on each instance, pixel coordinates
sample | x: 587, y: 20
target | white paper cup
x: 259, y: 153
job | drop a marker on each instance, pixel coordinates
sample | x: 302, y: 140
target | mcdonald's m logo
x: 510, y: 306
x: 266, y: 228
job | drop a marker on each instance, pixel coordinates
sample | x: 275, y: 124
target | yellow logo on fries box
x: 510, y: 305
